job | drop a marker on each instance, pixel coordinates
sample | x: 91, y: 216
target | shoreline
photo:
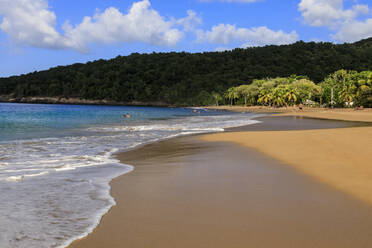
x: 342, y: 114
x: 119, y: 178
x: 116, y: 156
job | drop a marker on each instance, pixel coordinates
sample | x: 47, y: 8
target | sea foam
x: 56, y: 189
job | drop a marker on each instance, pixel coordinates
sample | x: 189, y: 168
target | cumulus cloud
x: 31, y: 22
x: 191, y: 21
x: 328, y: 12
x: 141, y: 24
x: 224, y: 34
x: 333, y: 15
x: 354, y: 31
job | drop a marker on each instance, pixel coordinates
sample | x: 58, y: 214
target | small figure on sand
x: 300, y: 107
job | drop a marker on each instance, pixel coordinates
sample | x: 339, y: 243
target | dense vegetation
x: 188, y: 79
x: 342, y: 89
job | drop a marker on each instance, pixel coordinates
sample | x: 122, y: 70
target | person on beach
x: 300, y: 107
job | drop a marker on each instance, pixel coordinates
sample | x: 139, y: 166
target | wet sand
x: 345, y: 114
x: 190, y: 192
x: 340, y: 158
x: 335, y: 114
x: 290, y: 123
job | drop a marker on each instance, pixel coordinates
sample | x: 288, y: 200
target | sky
x: 38, y: 34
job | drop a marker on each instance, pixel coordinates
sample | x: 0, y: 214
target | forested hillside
x: 185, y: 78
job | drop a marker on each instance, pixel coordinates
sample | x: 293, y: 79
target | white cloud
x: 225, y: 34
x: 31, y: 22
x: 141, y: 24
x: 328, y: 12
x: 191, y: 21
x: 354, y: 31
x: 333, y: 15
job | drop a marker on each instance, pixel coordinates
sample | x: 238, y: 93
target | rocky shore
x: 76, y: 101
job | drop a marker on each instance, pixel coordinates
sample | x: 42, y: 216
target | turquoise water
x: 56, y: 162
x: 20, y: 121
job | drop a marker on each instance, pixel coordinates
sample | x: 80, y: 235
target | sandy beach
x: 339, y: 158
x: 345, y: 114
x: 247, y: 188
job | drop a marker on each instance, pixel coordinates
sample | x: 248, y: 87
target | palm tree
x: 364, y: 88
x: 232, y: 94
x: 245, y: 91
x: 265, y: 98
x: 320, y: 93
x: 361, y: 89
x: 305, y: 89
x: 217, y: 97
x: 278, y: 94
x: 291, y: 94
x: 278, y: 101
x: 348, y: 92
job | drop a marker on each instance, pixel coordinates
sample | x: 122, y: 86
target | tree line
x: 340, y: 89
x: 189, y: 79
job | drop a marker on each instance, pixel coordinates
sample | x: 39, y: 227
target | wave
x: 64, y: 181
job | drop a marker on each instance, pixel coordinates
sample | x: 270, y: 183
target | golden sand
x: 199, y: 192
x: 341, y: 158
x: 189, y: 193
x: 346, y: 114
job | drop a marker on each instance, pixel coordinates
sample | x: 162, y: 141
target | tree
x: 305, y: 89
x: 244, y: 90
x: 204, y: 99
x: 291, y: 94
x: 232, y: 94
x: 364, y: 89
x: 265, y: 97
x: 278, y: 95
x: 217, y: 97
x: 249, y: 93
x: 179, y: 78
x: 339, y: 87
x: 347, y: 92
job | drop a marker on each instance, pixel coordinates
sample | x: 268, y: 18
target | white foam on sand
x: 56, y: 190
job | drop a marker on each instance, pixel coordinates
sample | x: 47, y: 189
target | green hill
x: 185, y: 78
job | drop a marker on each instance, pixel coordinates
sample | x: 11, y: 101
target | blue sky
x: 39, y: 34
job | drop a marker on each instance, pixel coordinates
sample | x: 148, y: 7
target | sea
x: 56, y: 162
